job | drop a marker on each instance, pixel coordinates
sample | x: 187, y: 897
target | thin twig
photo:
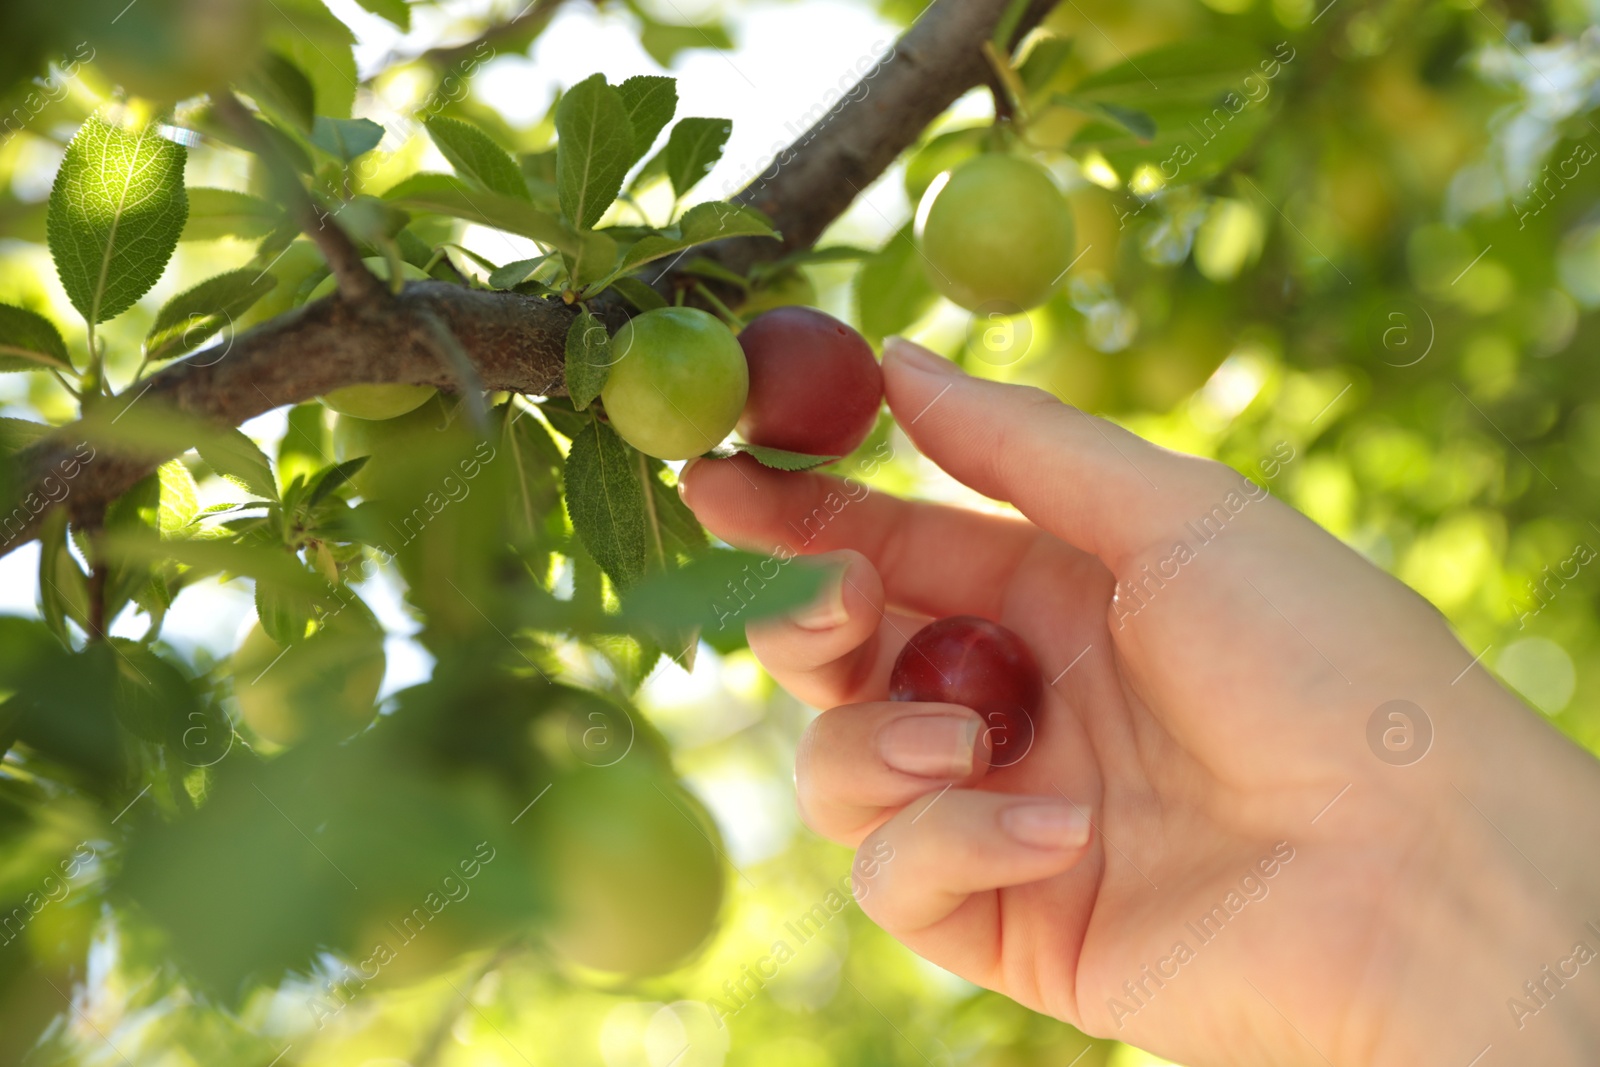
x: 356, y: 282
x: 530, y: 20
x: 461, y: 367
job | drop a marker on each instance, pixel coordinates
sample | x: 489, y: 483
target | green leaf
x: 682, y: 532
x: 282, y: 90
x: 711, y: 221
x: 285, y: 612
x: 606, y: 503
x: 445, y: 194
x: 264, y: 563
x: 892, y: 289
x: 240, y: 460
x: 304, y: 448
x: 346, y: 138
x: 697, y: 593
x: 329, y: 479
x: 514, y: 274
x: 776, y: 458
x: 812, y: 256
x: 1198, y: 96
x: 1131, y: 119
x: 116, y: 211
x: 665, y: 40
x: 945, y: 152
x: 588, y: 359
x: 650, y: 99
x: 215, y: 213
x: 476, y: 157
x: 567, y: 420
x: 17, y: 434
x: 29, y: 341
x: 662, y: 551
x: 63, y: 587
x: 180, y: 499
x: 693, y: 149
x: 149, y: 694
x: 195, y: 314
x: 1047, y: 53
x: 536, y: 486
x: 70, y: 717
x: 704, y: 267
x: 594, y: 149
x: 596, y: 259
x: 313, y: 39
x: 1006, y: 28
x: 639, y: 294
x: 396, y: 11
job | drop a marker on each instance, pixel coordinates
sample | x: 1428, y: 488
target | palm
x: 1193, y: 787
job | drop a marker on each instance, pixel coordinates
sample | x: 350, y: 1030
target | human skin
x: 1222, y: 725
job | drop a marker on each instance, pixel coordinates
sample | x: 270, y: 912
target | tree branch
x: 516, y: 342
x: 813, y: 181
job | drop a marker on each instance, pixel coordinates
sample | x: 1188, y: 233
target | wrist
x: 1501, y: 946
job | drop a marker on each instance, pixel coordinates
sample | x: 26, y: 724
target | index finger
x: 934, y: 559
x: 1090, y: 482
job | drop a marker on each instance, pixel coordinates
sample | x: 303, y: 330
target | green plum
x: 637, y: 878
x: 322, y: 686
x: 998, y: 232
x: 678, y: 383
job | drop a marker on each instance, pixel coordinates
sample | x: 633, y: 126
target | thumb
x: 1088, y: 481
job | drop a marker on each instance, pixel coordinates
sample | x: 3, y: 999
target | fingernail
x: 1046, y: 824
x: 828, y: 610
x: 683, y: 475
x: 930, y: 746
x: 916, y: 357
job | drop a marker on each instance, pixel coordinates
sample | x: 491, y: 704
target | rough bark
x: 517, y: 342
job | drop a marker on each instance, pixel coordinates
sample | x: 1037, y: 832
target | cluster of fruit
x: 795, y: 378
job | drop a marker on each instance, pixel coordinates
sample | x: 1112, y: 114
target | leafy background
x: 1357, y: 274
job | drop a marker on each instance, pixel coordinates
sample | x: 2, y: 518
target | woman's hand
x: 1210, y: 850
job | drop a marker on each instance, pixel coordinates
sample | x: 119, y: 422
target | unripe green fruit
x: 677, y: 384
x: 998, y: 232
x: 381, y: 438
x: 377, y: 402
x: 322, y: 686
x: 638, y: 882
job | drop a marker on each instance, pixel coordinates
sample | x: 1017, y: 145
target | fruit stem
x: 1007, y: 88
x: 722, y: 309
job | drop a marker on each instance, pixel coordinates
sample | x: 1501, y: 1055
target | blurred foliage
x: 1353, y: 250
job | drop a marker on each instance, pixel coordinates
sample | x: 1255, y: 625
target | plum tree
x: 815, y: 386
x: 996, y: 232
x: 980, y: 665
x: 678, y: 383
